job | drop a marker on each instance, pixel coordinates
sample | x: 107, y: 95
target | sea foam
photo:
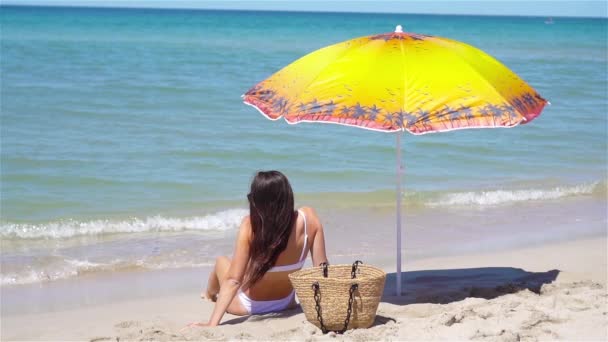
x: 69, y: 268
x: 223, y: 220
x: 497, y: 197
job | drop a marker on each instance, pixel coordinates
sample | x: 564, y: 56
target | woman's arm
x: 317, y: 249
x: 235, y: 275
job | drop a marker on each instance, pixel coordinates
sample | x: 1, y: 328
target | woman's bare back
x: 276, y: 285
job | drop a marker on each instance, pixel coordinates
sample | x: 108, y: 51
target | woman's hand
x: 197, y: 325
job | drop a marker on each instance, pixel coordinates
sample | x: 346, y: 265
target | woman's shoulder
x: 308, y: 211
x: 311, y: 215
x: 245, y: 227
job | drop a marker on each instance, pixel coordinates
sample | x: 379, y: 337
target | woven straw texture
x: 334, y: 292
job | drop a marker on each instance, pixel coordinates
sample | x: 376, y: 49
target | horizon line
x: 97, y: 6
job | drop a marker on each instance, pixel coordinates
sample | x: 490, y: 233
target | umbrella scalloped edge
x: 438, y: 127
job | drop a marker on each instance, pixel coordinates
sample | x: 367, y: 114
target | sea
x: 125, y: 144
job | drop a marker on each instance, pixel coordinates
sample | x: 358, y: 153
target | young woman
x: 273, y: 241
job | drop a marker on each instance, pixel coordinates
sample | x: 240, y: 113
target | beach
x: 127, y: 155
x: 546, y: 290
x: 445, y: 300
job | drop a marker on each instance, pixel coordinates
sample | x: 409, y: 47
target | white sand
x: 441, y: 303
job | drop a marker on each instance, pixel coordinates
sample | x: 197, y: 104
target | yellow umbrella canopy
x: 398, y: 81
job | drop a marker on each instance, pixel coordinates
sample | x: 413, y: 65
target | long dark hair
x: 272, y: 215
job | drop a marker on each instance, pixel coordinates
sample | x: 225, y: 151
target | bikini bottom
x: 254, y: 307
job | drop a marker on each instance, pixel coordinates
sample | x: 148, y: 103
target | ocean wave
x: 223, y: 220
x: 69, y: 268
x: 497, y: 197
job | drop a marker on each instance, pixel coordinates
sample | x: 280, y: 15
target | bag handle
x: 355, y: 268
x: 324, y: 265
x: 353, y: 271
x: 351, y: 297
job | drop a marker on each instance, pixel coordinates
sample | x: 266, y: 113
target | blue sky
x: 570, y: 8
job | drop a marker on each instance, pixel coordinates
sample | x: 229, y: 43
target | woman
x: 272, y: 242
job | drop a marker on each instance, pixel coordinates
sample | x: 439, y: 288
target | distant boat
x: 549, y: 21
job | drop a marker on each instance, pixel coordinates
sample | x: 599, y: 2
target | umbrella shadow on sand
x: 447, y: 286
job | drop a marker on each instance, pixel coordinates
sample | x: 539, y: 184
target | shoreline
x: 428, y: 232
x: 580, y: 264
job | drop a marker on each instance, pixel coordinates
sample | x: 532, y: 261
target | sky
x: 543, y: 8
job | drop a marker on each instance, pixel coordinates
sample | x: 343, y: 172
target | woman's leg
x: 216, y: 279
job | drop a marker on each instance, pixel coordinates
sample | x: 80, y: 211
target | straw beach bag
x: 339, y: 297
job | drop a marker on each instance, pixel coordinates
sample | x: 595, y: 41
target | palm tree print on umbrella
x: 329, y: 107
x: 444, y: 116
x: 529, y: 100
x: 279, y: 105
x: 467, y: 114
x: 266, y: 94
x: 494, y: 112
x: 302, y: 108
x: 509, y: 111
x: 455, y: 117
x: 314, y: 107
x: 345, y: 111
x: 423, y: 121
x: 483, y: 112
x: 395, y: 120
x: 373, y: 113
x: 359, y: 112
x: 519, y: 104
x: 409, y: 119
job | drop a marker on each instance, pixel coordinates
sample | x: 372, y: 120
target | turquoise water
x: 130, y: 120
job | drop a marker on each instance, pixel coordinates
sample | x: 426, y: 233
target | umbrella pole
x: 399, y: 170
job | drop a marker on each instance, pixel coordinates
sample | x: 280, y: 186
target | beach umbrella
x: 395, y: 82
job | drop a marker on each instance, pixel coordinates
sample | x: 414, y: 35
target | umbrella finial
x: 399, y: 29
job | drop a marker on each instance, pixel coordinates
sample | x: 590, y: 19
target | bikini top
x: 299, y: 264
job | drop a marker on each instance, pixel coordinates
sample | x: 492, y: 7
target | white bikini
x: 265, y: 306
